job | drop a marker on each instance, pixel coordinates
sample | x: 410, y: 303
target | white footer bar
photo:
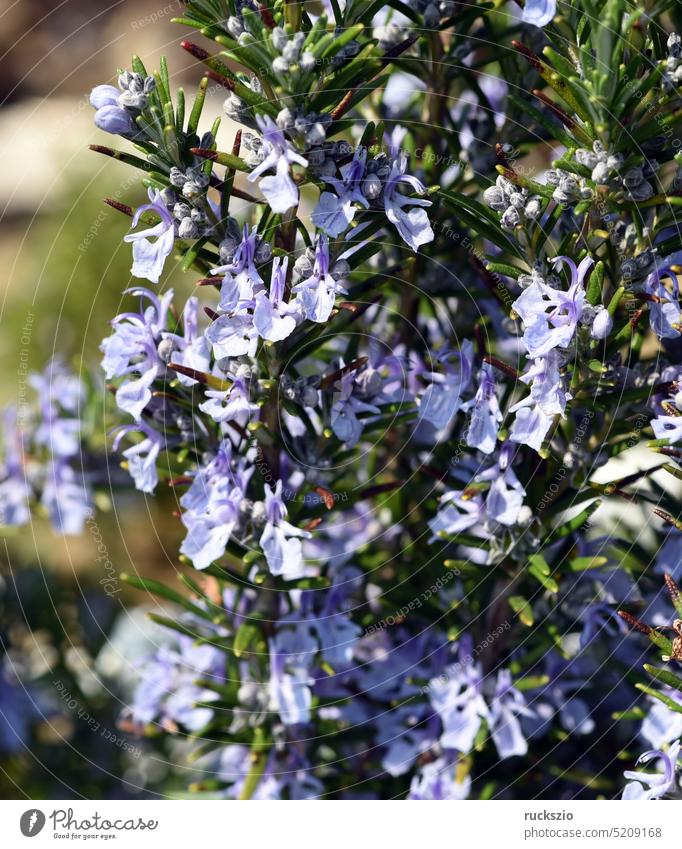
x: 191, y: 824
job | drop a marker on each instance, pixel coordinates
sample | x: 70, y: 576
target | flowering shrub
x: 438, y: 298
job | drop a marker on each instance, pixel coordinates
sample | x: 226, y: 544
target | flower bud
x: 602, y: 325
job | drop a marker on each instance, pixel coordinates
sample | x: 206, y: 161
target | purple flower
x: 530, y: 426
x: 168, y: 692
x: 334, y: 212
x: 505, y: 496
x: 457, y: 514
x: 602, y: 325
x: 664, y: 314
x: 438, y: 780
x: 66, y: 498
x: 281, y: 541
x: 273, y: 318
x: 192, y: 348
x: 457, y: 697
x: 290, y: 690
x: 109, y: 116
x: 539, y: 12
x: 344, y: 413
x: 486, y: 414
x: 149, y: 257
x: 143, y: 455
x: 233, y: 335
x: 506, y: 705
x: 443, y: 397
x: 280, y: 190
x: 550, y: 315
x: 318, y: 291
x: 226, y: 405
x: 647, y: 785
x: 407, y: 213
x: 241, y: 279
x: 132, y: 350
x: 15, y: 491
x: 547, y: 398
x: 212, y: 508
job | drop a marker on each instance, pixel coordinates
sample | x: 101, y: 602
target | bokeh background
x: 69, y: 629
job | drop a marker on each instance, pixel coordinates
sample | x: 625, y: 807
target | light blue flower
x: 647, y: 785
x: 662, y: 725
x: 66, y: 498
x: 149, y: 257
x: 539, y: 12
x: 442, y: 398
x: 15, y: 491
x: 550, y: 315
x: 241, y: 280
x: 279, y: 189
x: 168, y: 693
x: 335, y: 212
x: 602, y: 325
x: 407, y: 213
x: 506, y: 493
x: 530, y: 427
x: 280, y: 540
x: 486, y: 414
x: 437, y: 780
x: 664, y: 308
x: 457, y: 514
x: 457, y: 697
x: 109, y: 116
x: 227, y: 405
x: 273, y: 317
x: 506, y: 705
x: 142, y: 456
x: 290, y: 690
x: 131, y: 352
x: 547, y: 398
x: 233, y: 335
x: 190, y: 348
x: 317, y: 292
x: 211, y: 506
x: 345, y: 408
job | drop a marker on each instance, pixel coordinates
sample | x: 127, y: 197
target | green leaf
x: 523, y: 609
x: 247, y: 634
x: 664, y: 676
x: 161, y: 590
x: 667, y: 701
x: 581, y: 564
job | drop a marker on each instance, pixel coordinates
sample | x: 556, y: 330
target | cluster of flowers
x: 42, y: 456
x: 307, y: 422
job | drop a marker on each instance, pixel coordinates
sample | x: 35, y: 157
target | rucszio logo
x: 32, y: 822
